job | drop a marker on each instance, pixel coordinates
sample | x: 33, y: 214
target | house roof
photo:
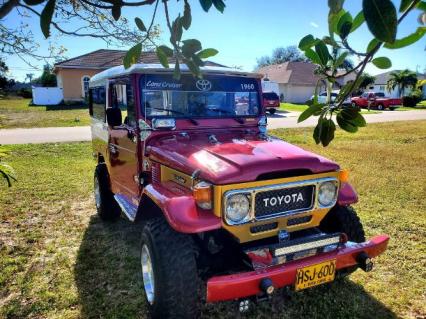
x: 105, y: 59
x: 299, y: 73
x: 382, y: 78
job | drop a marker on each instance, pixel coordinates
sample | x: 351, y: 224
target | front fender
x: 347, y: 195
x: 181, y: 211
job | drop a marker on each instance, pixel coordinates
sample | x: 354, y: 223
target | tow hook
x: 365, y: 262
x: 267, y: 286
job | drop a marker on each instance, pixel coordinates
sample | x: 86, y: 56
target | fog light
x: 244, y: 305
x: 365, y: 262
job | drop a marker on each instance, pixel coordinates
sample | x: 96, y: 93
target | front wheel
x: 380, y: 107
x: 271, y: 111
x: 343, y: 219
x: 169, y: 271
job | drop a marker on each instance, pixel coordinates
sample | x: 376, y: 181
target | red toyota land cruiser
x: 221, y: 204
x: 271, y: 101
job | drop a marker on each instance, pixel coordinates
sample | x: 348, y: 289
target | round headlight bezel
x: 245, y: 216
x: 332, y: 195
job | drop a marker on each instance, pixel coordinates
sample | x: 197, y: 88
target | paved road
x: 82, y: 133
x: 290, y: 120
x: 45, y: 135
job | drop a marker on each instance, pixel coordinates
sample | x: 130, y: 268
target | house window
x: 85, y: 85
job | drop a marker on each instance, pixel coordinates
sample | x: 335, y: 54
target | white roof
x: 100, y: 78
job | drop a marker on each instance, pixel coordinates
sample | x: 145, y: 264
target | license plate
x: 315, y: 275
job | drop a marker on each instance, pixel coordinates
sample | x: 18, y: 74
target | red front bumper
x: 246, y: 284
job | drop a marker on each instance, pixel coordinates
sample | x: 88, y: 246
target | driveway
x: 279, y: 120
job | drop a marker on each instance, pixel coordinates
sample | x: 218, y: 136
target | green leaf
x: 322, y: 51
x: 359, y: 120
x: 190, y: 46
x: 333, y: 20
x: 167, y: 51
x: 309, y: 112
x: 219, y: 5
x: 335, y: 5
x: 341, y: 58
x: 307, y: 42
x: 382, y: 62
x: 421, y: 6
x: 410, y: 39
x: 176, y: 30
x: 358, y: 20
x: 207, y: 53
x: 46, y: 17
x: 346, y: 124
x: 206, y: 4
x: 372, y: 45
x: 162, y: 57
x: 404, y: 5
x: 344, y: 25
x: 176, y: 72
x: 140, y: 24
x: 132, y: 56
x: 327, y: 131
x: 187, y: 18
x: 313, y: 56
x: 116, y: 12
x: 195, y: 69
x: 381, y: 19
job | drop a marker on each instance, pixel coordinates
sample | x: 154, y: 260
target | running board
x: 127, y: 207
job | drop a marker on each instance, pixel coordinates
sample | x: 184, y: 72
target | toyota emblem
x: 203, y: 85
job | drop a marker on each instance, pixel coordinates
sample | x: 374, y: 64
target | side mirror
x: 113, y: 116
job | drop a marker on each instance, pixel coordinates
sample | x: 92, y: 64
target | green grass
x: 58, y: 260
x: 15, y: 113
x: 289, y: 107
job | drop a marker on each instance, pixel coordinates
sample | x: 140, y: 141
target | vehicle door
x: 363, y: 100
x: 123, y: 160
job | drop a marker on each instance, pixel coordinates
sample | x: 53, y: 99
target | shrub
x: 25, y: 93
x: 413, y: 99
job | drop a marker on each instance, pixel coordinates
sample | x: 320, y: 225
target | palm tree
x: 366, y: 80
x: 402, y: 80
x: 6, y: 171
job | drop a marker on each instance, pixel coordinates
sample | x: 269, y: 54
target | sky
x: 245, y: 31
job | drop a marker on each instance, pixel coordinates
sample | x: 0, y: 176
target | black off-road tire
x: 175, y: 271
x: 380, y: 107
x: 344, y: 219
x: 106, y: 205
x: 272, y: 111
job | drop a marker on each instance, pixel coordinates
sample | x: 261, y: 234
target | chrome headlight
x: 237, y: 208
x: 327, y: 193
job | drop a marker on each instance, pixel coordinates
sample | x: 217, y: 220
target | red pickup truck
x: 376, y: 100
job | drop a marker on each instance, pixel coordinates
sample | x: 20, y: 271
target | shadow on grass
x: 108, y: 279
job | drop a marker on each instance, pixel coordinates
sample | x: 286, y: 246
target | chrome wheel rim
x: 97, y: 193
x: 147, y: 274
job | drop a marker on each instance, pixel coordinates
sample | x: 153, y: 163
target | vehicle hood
x: 232, y: 157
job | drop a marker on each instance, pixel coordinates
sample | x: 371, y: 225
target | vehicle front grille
x: 274, y: 202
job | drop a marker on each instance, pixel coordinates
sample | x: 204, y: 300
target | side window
x: 98, y: 98
x: 123, y: 98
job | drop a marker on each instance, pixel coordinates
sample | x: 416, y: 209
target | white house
x: 297, y: 80
x: 382, y: 79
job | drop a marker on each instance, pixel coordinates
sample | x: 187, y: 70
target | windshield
x: 214, y: 96
x: 270, y: 96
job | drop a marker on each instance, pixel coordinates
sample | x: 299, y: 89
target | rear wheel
x: 271, y: 111
x: 392, y: 108
x: 169, y: 271
x: 345, y: 220
x: 380, y: 107
x: 354, y: 105
x: 106, y: 205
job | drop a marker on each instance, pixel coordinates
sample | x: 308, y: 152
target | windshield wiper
x: 167, y: 110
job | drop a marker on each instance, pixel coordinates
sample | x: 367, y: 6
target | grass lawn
x: 15, y: 113
x: 58, y: 260
x: 289, y: 107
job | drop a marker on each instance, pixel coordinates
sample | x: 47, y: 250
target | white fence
x: 47, y: 96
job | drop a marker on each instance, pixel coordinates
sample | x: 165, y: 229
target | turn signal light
x: 202, y: 193
x: 344, y: 175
